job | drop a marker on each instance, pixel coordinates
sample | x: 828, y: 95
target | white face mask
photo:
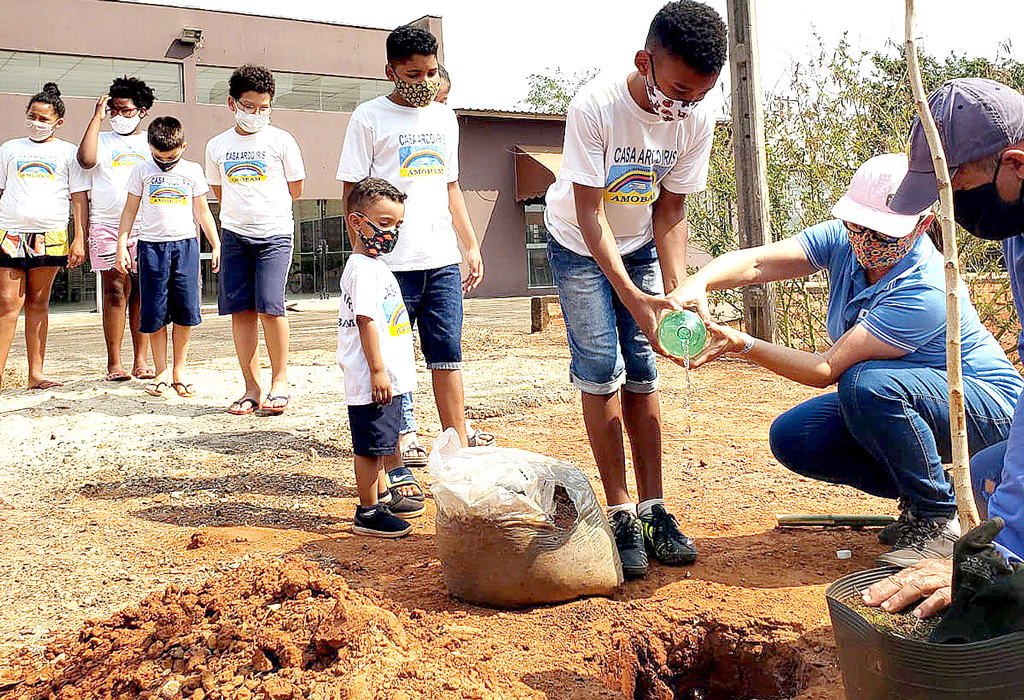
x: 125, y: 125
x: 39, y: 131
x: 251, y: 122
x: 668, y: 109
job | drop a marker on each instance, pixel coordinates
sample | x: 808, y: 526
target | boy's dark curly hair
x: 165, y: 133
x: 693, y: 32
x: 407, y: 41
x: 133, y: 89
x: 369, y: 190
x: 250, y: 78
x: 49, y: 95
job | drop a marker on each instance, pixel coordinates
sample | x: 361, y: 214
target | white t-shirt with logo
x: 37, y: 180
x: 165, y: 212
x: 116, y: 157
x: 253, y: 171
x: 369, y: 288
x: 417, y: 151
x: 611, y: 143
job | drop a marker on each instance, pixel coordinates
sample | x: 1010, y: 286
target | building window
x: 317, y: 93
x: 537, y: 247
x: 25, y: 72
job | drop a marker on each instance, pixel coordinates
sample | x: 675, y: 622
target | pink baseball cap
x: 866, y: 202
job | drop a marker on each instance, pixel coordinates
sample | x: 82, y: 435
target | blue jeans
x: 608, y: 348
x: 886, y: 432
x: 433, y: 299
x: 408, y: 424
x: 998, y: 477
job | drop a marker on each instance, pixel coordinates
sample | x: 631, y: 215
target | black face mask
x: 166, y: 165
x: 984, y: 214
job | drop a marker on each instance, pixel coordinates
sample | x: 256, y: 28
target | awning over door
x: 536, y: 168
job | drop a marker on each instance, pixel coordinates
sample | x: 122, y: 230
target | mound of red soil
x: 284, y: 630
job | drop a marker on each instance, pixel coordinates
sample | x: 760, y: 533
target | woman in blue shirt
x: 885, y: 430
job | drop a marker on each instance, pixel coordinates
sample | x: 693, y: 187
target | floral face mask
x: 419, y: 94
x: 874, y: 250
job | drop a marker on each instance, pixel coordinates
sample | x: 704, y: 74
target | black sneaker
x: 663, y: 538
x: 629, y: 540
x: 379, y: 521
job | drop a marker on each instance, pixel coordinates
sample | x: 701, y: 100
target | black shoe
x: 629, y: 540
x: 663, y: 538
x: 379, y: 521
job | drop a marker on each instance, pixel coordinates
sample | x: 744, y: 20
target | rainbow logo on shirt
x: 238, y: 171
x: 165, y: 194
x: 629, y: 184
x: 397, y: 317
x: 37, y: 168
x: 420, y: 161
x: 121, y: 159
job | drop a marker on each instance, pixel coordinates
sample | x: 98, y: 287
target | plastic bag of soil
x: 517, y: 528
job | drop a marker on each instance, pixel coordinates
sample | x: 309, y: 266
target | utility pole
x: 748, y: 146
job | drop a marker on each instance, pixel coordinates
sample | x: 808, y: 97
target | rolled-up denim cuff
x: 444, y: 365
x: 598, y: 388
x: 634, y: 387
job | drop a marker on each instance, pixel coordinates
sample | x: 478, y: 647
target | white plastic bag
x: 518, y: 528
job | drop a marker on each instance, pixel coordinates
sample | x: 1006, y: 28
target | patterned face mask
x: 874, y: 250
x: 668, y: 109
x: 419, y: 94
x: 383, y: 240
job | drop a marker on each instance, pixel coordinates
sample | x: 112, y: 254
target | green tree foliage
x: 551, y: 93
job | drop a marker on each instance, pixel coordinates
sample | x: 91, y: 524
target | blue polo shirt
x: 907, y: 309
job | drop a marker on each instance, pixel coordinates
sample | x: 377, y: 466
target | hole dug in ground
x: 706, y: 660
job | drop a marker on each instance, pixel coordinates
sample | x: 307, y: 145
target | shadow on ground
x: 233, y: 484
x: 239, y: 515
x: 241, y: 442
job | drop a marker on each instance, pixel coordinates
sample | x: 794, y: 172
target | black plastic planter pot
x: 879, y: 666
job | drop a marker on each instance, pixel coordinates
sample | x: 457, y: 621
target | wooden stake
x: 954, y: 367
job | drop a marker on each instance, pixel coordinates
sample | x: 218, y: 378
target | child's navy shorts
x: 375, y: 428
x: 168, y: 284
x: 253, y: 273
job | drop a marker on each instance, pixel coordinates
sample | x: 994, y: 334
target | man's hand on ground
x: 931, y: 579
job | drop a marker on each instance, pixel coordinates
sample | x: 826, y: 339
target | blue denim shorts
x: 433, y: 299
x: 168, y: 284
x: 608, y: 348
x: 253, y: 273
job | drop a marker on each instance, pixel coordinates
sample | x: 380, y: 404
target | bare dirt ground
x: 234, y: 534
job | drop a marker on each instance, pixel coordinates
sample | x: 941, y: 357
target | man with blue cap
x: 981, y: 125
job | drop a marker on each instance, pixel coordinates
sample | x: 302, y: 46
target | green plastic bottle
x: 682, y: 334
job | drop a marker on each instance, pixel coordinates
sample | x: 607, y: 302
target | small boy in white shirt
x: 169, y: 196
x: 375, y: 350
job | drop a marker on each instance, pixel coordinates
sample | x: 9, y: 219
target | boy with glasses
x: 256, y: 172
x: 110, y: 157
